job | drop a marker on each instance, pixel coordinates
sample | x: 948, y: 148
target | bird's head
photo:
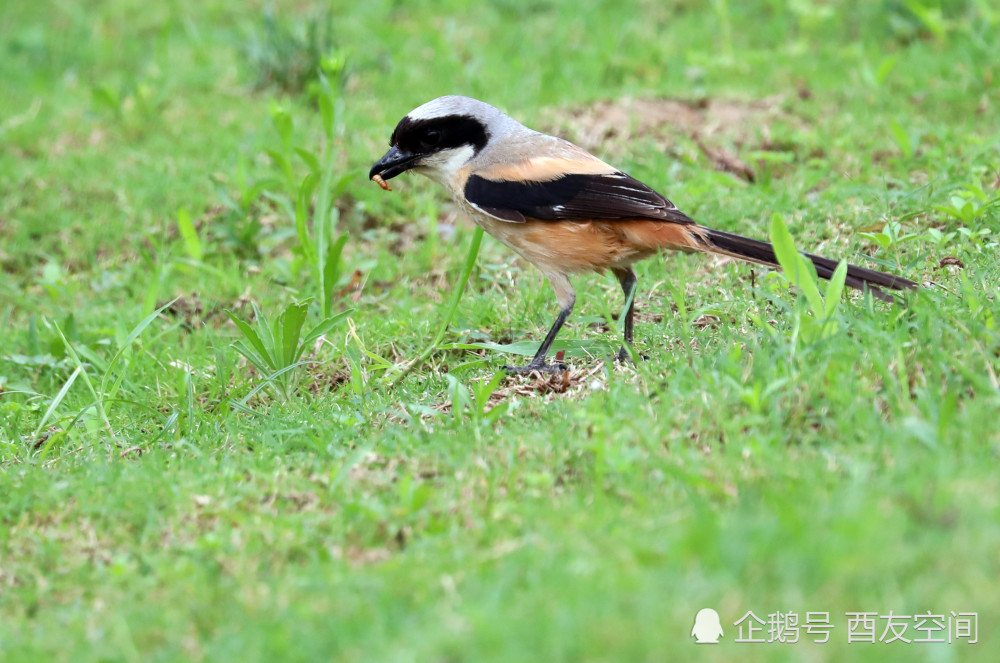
x: 440, y: 137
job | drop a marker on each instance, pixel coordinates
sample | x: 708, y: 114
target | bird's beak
x: 394, y: 162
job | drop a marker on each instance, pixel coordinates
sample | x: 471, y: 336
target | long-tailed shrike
x: 561, y: 208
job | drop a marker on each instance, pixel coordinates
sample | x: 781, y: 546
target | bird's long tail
x: 744, y: 248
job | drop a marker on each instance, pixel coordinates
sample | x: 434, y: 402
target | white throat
x: 442, y: 166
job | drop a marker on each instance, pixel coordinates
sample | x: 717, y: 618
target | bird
x: 563, y: 209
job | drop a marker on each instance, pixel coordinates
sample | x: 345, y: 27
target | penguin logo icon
x: 707, y: 627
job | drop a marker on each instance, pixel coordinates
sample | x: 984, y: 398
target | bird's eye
x: 431, y: 139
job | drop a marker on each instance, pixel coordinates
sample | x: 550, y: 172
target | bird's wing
x: 551, y: 189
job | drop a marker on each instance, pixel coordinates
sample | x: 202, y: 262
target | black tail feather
x: 762, y: 252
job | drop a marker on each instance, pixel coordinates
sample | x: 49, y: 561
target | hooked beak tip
x: 394, y: 162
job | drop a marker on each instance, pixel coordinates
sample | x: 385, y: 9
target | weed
x: 891, y: 235
x: 275, y: 347
x: 104, y: 393
x: 821, y: 321
x: 473, y: 403
x: 969, y: 204
x: 449, y: 314
x: 290, y: 56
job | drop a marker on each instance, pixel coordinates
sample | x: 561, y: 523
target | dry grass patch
x: 722, y: 129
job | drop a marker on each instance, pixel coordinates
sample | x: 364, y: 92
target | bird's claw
x: 625, y: 357
x: 536, y: 367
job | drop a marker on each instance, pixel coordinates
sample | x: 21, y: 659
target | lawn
x: 174, y: 174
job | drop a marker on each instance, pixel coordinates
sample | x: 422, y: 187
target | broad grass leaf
x: 835, y: 289
x: 291, y: 326
x: 252, y: 337
x: 324, y: 327
x: 189, y: 234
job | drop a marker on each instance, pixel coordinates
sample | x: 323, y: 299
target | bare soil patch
x: 723, y: 129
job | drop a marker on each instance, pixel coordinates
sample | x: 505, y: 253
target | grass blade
x: 797, y: 268
x: 127, y: 343
x: 271, y: 378
x: 331, y: 270
x: 836, y: 288
x: 306, y: 190
x: 456, y: 296
x: 323, y: 327
x: 189, y: 234
x: 251, y: 336
x: 71, y: 351
x: 57, y: 400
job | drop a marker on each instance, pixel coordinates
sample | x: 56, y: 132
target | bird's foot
x: 625, y: 357
x: 536, y: 367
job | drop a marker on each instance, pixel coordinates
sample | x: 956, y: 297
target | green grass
x: 158, y: 503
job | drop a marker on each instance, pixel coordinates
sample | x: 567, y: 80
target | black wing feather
x: 572, y: 197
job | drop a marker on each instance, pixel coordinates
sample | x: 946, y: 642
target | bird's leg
x: 538, y: 363
x: 567, y: 297
x: 626, y: 277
